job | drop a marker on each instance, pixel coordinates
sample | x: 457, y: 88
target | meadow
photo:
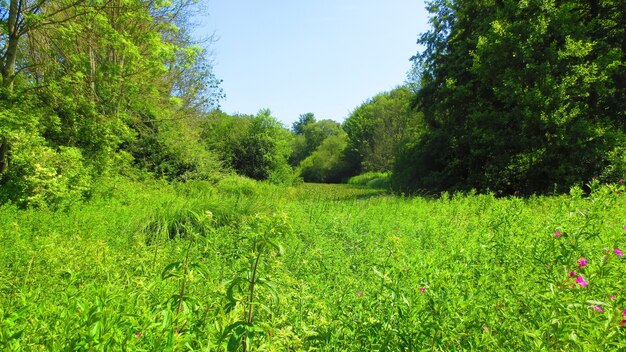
x: 244, y: 265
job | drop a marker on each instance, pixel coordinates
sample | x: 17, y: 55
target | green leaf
x: 171, y: 270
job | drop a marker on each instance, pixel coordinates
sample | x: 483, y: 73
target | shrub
x: 371, y: 179
x: 42, y: 176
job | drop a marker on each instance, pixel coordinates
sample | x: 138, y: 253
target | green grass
x: 152, y: 266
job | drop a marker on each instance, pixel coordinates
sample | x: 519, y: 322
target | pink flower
x: 618, y: 252
x: 612, y: 297
x: 138, y: 334
x: 598, y: 308
x: 557, y: 234
x: 581, y: 262
x: 624, y: 314
x: 581, y: 281
x: 422, y: 289
x: 572, y: 273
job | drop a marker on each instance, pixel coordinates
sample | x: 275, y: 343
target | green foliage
x: 312, y: 135
x: 263, y: 235
x: 254, y: 146
x: 518, y: 96
x: 377, y: 127
x: 327, y: 163
x: 371, y: 179
x: 90, y: 88
x: 303, y: 121
x: 362, y: 270
x: 38, y: 174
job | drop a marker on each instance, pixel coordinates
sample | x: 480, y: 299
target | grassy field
x: 244, y: 265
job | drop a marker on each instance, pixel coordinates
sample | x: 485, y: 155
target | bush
x: 327, y: 163
x: 371, y: 179
x: 41, y: 176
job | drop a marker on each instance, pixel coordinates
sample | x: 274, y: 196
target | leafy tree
x: 303, y: 121
x: 311, y: 137
x: 254, y: 146
x: 378, y: 126
x: 517, y: 95
x: 108, y: 81
x: 326, y: 163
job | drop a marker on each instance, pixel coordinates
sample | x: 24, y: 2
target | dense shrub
x: 327, y: 163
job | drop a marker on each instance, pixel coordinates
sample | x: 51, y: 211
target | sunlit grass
x: 361, y: 270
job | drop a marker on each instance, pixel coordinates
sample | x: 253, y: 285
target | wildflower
x: 422, y: 289
x: 581, y: 281
x: 138, y: 334
x: 618, y: 252
x: 581, y: 262
x: 572, y: 273
x: 612, y: 297
x: 557, y: 234
x: 598, y: 308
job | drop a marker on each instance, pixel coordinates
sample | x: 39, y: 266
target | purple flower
x: 572, y: 273
x: 557, y: 234
x: 581, y: 262
x: 598, y: 308
x: 581, y: 281
x: 422, y: 289
x: 618, y: 252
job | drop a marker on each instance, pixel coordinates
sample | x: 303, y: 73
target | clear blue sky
x: 319, y: 56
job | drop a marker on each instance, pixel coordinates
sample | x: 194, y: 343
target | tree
x: 326, y: 163
x: 377, y: 127
x: 517, y: 96
x: 253, y: 146
x: 103, y: 82
x: 303, y: 121
x: 312, y: 135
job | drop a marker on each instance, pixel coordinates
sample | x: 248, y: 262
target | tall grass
x: 156, y: 266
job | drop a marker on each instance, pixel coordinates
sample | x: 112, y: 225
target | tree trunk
x: 4, y: 160
x: 8, y: 66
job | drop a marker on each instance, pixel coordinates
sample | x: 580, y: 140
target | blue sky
x: 320, y: 56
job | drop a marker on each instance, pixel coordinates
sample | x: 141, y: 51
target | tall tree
x: 303, y: 121
x: 377, y: 127
x: 518, y: 95
x: 107, y: 79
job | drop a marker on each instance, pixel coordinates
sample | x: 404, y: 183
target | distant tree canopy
x: 254, y: 146
x: 379, y: 126
x: 302, y: 122
x: 309, y: 135
x: 525, y: 96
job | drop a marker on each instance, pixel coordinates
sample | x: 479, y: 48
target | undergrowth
x: 241, y: 265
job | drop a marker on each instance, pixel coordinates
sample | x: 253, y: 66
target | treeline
x: 510, y: 97
x: 97, y: 88
x: 519, y: 96
x: 507, y: 97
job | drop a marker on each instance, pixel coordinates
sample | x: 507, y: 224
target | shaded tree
x: 518, y: 96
